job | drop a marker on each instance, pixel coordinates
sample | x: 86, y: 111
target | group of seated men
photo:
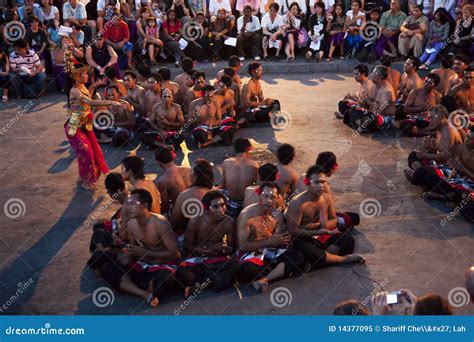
x: 158, y: 110
x: 261, y: 223
x: 440, y: 107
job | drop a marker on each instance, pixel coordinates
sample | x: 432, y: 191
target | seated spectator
x: 444, y: 73
x: 220, y: 29
x: 151, y: 42
x: 432, y: 304
x: 253, y: 4
x: 438, y: 33
x: 449, y: 6
x: 92, y: 15
x: 4, y: 74
x: 197, y: 48
x: 351, y: 308
x: 390, y: 23
x: 36, y: 38
x: 248, y: 32
x: 367, y: 52
x: 182, y: 10
x: 198, y: 6
x: 77, y: 35
x: 105, y: 12
x: 316, y: 29
x: 100, y: 56
x: 171, y: 35
x: 328, y: 5
x: 335, y: 31
x: 74, y: 11
x: 216, y: 5
x: 158, y: 10
x: 290, y: 29
x: 27, y: 74
x: 412, y: 37
x: 272, y: 37
x: 410, y: 79
x: 117, y: 35
x: 50, y: 12
x: 355, y: 18
x: 30, y: 8
x: 285, y: 5
x: 462, y: 43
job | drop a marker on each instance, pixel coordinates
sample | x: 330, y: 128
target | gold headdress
x: 72, y: 65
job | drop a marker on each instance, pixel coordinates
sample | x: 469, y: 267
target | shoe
x: 176, y: 64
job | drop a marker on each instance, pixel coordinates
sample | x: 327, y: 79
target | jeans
x: 28, y: 86
x: 429, y: 58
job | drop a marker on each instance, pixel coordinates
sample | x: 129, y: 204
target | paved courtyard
x: 45, y: 224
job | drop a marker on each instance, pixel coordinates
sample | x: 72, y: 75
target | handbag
x: 303, y: 38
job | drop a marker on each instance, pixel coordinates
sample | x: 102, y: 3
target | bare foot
x: 260, y: 285
x: 188, y: 291
x: 409, y: 174
x: 338, y: 115
x: 152, y: 300
x: 354, y: 258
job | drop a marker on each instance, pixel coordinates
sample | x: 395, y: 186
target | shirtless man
x: 393, y: 75
x: 173, y: 181
x: 361, y: 75
x: 186, y: 64
x: 151, y: 243
x: 464, y: 92
x: 209, y: 242
x: 263, y: 245
x: 438, y: 149
x: 410, y: 79
x: 133, y: 172
x: 236, y: 64
x: 165, y: 74
x: 112, y: 79
x: 153, y: 94
x: 255, y: 106
x: 237, y: 174
x: 266, y: 173
x: 461, y: 63
x: 236, y: 88
x: 196, y: 91
x: 287, y: 176
x: 328, y: 162
x: 225, y: 96
x: 183, y: 89
x: 209, y: 128
x: 444, y: 73
x: 166, y: 120
x: 312, y: 221
x: 418, y: 104
x: 135, y: 93
x: 185, y: 205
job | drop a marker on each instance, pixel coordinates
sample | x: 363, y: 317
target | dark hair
x: 143, y: 70
x: 247, y: 7
x: 157, y: 77
x: 386, y: 61
x: 267, y: 172
x: 358, y: 2
x: 164, y: 155
x: 253, y: 66
x: 341, y: 5
x: 76, y: 25
x: 210, y: 196
x: 313, y: 170
x: 208, y: 87
x: 242, y: 145
x: 285, y: 154
x: 432, y: 304
x: 114, y: 183
x: 234, y: 61
x: 469, y: 69
x: 449, y: 102
x: 351, y: 308
x: 275, y: 6
x: 434, y: 77
x: 136, y: 165
x: 191, y: 72
x: 33, y: 18
x: 362, y: 68
x: 294, y: 3
x: 229, y: 71
x: 203, y: 174
x: 319, y: 4
x: 326, y: 160
x: 198, y: 74
x: 110, y: 87
x: 165, y: 73
x: 110, y: 73
x: 376, y: 10
x: 416, y: 62
x: 273, y: 185
x: 463, y: 58
x: 382, y: 71
x: 227, y: 80
x: 187, y: 64
x: 420, y: 7
x: 131, y: 74
x: 21, y: 44
x: 447, y: 61
x: 144, y: 197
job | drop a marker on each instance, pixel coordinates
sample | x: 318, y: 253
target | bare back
x: 238, y: 174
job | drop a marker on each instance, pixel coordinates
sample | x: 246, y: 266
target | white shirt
x: 101, y: 5
x: 284, y: 7
x: 327, y: 3
x: 252, y: 26
x: 350, y: 14
x: 52, y: 14
x: 296, y: 21
x: 79, y: 12
x: 214, y: 6
x: 269, y: 25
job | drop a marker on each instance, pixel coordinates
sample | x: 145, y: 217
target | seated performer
x: 460, y: 63
x: 266, y: 173
x: 312, y: 221
x: 437, y: 149
x: 254, y: 106
x: 444, y: 73
x: 328, y: 162
x: 410, y: 79
x: 377, y: 111
x: 153, y: 93
x: 133, y: 172
x: 263, y: 245
x: 185, y: 204
x: 144, y: 268
x: 225, y: 96
x: 237, y: 174
x: 287, y: 180
x: 173, y: 181
x: 361, y: 75
x: 135, y: 93
x: 417, y: 105
x: 194, y: 90
x: 165, y: 122
x: 165, y: 74
x: 464, y: 91
x: 209, y: 242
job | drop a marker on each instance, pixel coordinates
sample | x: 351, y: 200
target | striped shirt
x: 29, y: 61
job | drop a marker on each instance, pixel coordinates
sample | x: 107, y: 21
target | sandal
x: 4, y: 98
x: 328, y: 59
